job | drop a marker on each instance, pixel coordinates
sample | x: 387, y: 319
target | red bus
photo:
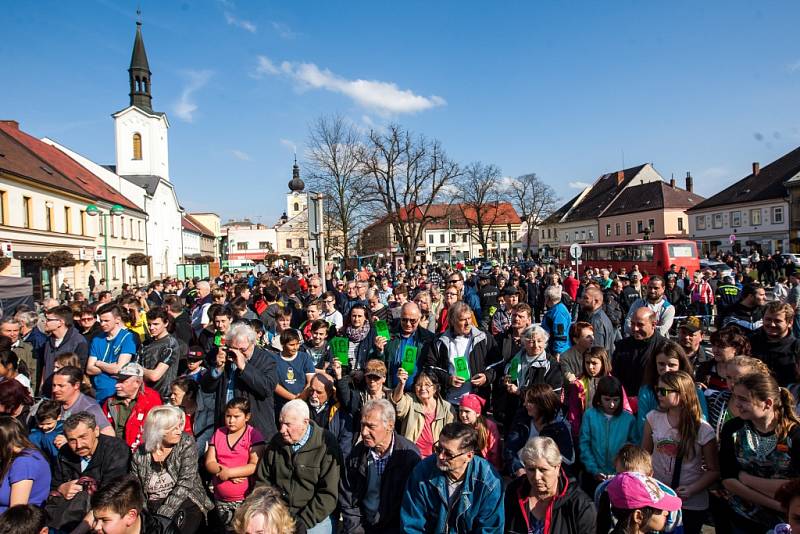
x: 654, y: 256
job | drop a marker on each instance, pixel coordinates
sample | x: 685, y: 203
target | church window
x: 296, y: 206
x: 137, y: 146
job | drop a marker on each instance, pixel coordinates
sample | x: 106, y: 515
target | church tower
x: 141, y: 133
x: 296, y: 200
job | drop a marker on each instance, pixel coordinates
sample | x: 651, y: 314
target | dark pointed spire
x: 296, y: 184
x: 139, y: 72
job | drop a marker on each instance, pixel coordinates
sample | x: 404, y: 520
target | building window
x: 263, y: 245
x: 302, y: 242
x: 48, y: 210
x: 464, y: 238
x: 27, y: 206
x: 755, y: 217
x: 122, y: 227
x: 591, y: 234
x: 131, y: 234
x: 137, y: 146
x: 83, y: 222
x: 296, y: 206
x: 452, y: 238
x: 548, y: 233
x: 576, y: 235
x: 651, y: 223
x: 736, y: 218
x: 639, y: 227
x: 608, y: 230
x: 3, y: 207
x: 335, y: 241
x: 114, y: 267
x: 680, y: 224
x: 777, y: 215
x: 628, y: 228
x: 441, y: 238
x: 288, y: 243
x: 243, y: 245
x: 514, y: 235
x: 716, y: 220
x: 68, y: 219
x: 700, y: 222
x: 430, y: 239
x: 555, y: 233
x: 617, y: 228
x: 141, y: 236
x: 502, y: 236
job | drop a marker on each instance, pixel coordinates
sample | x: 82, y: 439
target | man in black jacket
x: 632, y: 353
x: 373, y: 473
x: 181, y: 323
x: 774, y: 343
x: 89, y: 460
x: 252, y: 371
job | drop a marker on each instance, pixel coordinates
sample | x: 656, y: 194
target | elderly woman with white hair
x: 166, y: 467
x: 531, y: 365
x: 544, y: 499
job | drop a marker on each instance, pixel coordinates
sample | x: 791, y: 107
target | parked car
x: 794, y: 258
x: 722, y: 269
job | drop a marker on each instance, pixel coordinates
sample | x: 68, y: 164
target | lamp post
x: 93, y: 211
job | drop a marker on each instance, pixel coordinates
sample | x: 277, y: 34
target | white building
x: 247, y: 243
x: 751, y: 214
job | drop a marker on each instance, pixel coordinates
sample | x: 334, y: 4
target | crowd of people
x: 518, y: 399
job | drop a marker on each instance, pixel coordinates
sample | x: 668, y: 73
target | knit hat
x: 473, y: 402
x: 631, y: 491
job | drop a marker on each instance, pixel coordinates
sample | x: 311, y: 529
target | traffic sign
x: 575, y: 251
x: 732, y: 238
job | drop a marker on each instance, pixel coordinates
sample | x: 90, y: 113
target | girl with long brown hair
x: 24, y: 472
x: 682, y: 444
x: 759, y: 451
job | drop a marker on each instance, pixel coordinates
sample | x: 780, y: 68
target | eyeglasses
x: 51, y: 319
x: 408, y: 320
x: 453, y: 281
x: 665, y: 391
x: 438, y: 450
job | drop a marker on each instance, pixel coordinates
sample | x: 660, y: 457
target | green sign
x: 340, y: 347
x: 513, y: 368
x: 462, y: 367
x: 409, y: 358
x: 382, y: 329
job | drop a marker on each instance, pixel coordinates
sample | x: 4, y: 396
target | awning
x: 21, y: 255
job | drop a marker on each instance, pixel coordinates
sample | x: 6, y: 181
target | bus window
x: 681, y: 251
x: 647, y: 252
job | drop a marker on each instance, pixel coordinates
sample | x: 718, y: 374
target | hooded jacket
x: 570, y: 512
x: 478, y: 508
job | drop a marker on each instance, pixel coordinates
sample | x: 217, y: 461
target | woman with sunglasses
x: 421, y: 413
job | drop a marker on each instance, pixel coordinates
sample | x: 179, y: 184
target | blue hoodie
x: 602, y: 437
x: 557, y: 321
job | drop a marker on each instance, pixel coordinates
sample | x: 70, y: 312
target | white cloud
x: 793, y: 67
x: 579, y: 185
x: 240, y: 155
x: 186, y: 106
x: 283, y: 30
x: 384, y: 98
x: 289, y: 144
x: 240, y: 23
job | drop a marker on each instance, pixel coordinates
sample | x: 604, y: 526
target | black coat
x: 256, y: 383
x: 111, y: 460
x: 353, y: 486
x: 571, y: 511
x: 182, y: 328
x: 780, y: 355
x: 630, y: 358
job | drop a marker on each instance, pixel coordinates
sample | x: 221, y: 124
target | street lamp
x: 93, y: 211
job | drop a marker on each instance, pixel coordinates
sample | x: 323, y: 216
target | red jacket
x: 134, y: 426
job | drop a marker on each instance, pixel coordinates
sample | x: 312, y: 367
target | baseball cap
x: 130, y: 369
x: 510, y: 290
x: 195, y: 352
x: 631, y: 491
x: 692, y: 324
x: 375, y: 368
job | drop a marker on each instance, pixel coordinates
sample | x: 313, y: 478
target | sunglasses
x: 438, y: 450
x: 665, y: 391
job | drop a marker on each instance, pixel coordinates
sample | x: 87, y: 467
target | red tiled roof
x: 438, y: 215
x: 67, y: 174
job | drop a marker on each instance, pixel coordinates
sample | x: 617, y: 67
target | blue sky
x: 563, y: 89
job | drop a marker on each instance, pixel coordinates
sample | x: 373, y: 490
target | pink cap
x: 473, y: 402
x: 631, y: 491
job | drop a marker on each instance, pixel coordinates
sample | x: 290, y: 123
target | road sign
x: 732, y: 238
x: 99, y: 254
x: 575, y: 251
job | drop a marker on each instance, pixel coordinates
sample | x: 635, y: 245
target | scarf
x: 357, y: 335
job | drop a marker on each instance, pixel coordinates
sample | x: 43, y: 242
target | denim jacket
x: 478, y: 509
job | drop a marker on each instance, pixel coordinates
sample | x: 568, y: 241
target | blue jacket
x: 556, y: 321
x: 478, y: 510
x: 472, y: 299
x: 45, y: 441
x: 648, y: 403
x: 602, y: 437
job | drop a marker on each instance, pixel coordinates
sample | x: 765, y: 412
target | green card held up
x: 409, y: 358
x: 513, y: 368
x: 382, y: 329
x: 340, y: 347
x: 462, y: 367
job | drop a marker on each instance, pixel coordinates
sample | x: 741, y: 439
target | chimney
x: 756, y: 168
x: 689, y: 182
x: 620, y: 177
x: 13, y: 124
x: 672, y: 182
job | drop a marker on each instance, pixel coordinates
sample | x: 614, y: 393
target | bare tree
x: 407, y: 174
x: 333, y: 147
x: 534, y: 201
x: 478, y: 195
